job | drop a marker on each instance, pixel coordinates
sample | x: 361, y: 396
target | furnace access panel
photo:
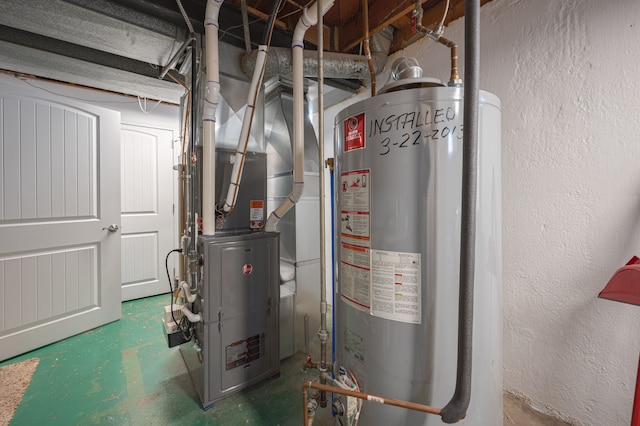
x: 238, y: 340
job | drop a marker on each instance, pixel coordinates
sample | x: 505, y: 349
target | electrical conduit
x: 309, y: 18
x: 254, y: 89
x: 211, y: 98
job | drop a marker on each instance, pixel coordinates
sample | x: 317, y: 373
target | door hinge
x: 173, y: 209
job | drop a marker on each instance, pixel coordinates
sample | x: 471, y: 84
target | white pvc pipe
x: 190, y: 315
x: 184, y: 287
x: 211, y: 99
x: 254, y: 89
x: 190, y: 297
x: 309, y: 18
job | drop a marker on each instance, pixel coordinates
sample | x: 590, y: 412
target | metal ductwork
x: 336, y: 65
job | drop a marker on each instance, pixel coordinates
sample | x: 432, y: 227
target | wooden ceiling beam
x: 433, y: 15
x: 262, y: 15
x: 381, y: 14
x: 344, y: 24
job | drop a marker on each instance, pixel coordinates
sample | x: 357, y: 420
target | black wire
x: 179, y: 324
x: 268, y: 30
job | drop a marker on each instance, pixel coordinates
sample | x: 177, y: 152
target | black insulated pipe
x: 456, y: 409
x: 268, y: 29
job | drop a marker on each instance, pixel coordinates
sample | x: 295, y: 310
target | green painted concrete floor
x: 124, y: 374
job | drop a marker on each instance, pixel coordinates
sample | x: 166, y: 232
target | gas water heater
x: 398, y: 195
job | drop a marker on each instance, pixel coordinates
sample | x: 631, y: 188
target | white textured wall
x: 567, y: 74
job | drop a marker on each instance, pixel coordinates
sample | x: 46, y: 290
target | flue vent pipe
x: 308, y: 19
x: 254, y: 90
x: 211, y: 99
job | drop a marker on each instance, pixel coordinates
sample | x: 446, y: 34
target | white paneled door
x: 146, y: 175
x: 59, y: 218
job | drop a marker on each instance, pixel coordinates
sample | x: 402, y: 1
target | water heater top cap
x: 403, y: 68
x: 411, y: 83
x: 406, y: 73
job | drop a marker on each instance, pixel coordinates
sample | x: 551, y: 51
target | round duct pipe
x: 336, y: 65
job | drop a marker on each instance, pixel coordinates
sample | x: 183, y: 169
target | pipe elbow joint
x: 454, y: 411
x: 301, y: 28
x: 184, y: 286
x: 284, y: 207
x: 212, y: 12
x: 327, y: 4
x: 296, y: 193
x: 190, y: 315
x: 308, y: 19
x: 272, y: 223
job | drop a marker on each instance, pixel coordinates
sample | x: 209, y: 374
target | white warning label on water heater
x: 355, y: 200
x: 355, y: 276
x: 395, y: 286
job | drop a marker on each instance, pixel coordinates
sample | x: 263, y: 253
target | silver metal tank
x: 398, y: 187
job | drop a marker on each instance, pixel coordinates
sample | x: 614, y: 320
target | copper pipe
x: 305, y: 414
x: 309, y: 364
x: 455, y: 77
x: 366, y: 396
x: 367, y: 48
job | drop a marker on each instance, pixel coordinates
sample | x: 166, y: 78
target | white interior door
x: 59, y: 192
x: 147, y: 209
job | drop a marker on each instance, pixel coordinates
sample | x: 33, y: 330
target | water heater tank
x: 398, y: 195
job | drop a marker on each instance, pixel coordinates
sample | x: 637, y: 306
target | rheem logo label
x: 354, y: 133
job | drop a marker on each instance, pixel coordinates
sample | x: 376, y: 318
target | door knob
x: 112, y: 228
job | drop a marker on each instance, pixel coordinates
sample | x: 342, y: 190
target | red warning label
x: 256, y: 214
x: 354, y: 133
